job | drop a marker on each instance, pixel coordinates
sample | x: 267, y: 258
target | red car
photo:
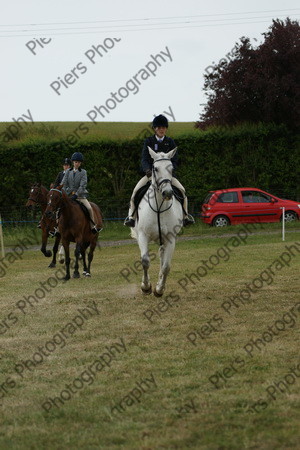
x: 245, y: 205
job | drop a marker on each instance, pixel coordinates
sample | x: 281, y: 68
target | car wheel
x: 221, y: 221
x: 290, y: 216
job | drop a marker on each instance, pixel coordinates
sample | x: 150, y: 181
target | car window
x: 228, y: 197
x: 255, y: 197
x: 208, y: 197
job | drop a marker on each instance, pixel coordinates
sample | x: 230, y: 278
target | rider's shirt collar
x: 159, y: 139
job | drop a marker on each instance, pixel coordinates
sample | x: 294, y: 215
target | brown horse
x: 38, y: 196
x: 74, y: 226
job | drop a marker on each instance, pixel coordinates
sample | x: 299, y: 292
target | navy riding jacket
x: 165, y: 146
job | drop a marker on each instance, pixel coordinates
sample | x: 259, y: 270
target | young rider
x: 67, y: 163
x: 74, y: 184
x: 159, y: 142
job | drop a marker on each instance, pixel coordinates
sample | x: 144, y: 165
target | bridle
x: 164, y: 180
x: 55, y: 211
x: 38, y: 202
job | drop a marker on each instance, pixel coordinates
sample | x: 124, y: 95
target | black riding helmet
x: 77, y: 156
x: 67, y: 161
x: 160, y: 121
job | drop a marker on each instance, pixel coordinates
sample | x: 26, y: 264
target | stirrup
x: 95, y: 230
x: 54, y: 233
x: 129, y: 222
x: 188, y: 220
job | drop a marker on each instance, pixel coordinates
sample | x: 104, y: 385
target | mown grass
x: 117, y: 231
x: 102, y: 130
x: 181, y: 370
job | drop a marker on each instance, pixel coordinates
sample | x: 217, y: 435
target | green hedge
x: 263, y: 156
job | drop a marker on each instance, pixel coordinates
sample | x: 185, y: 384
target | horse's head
x: 35, y: 196
x: 162, y: 172
x: 54, y: 200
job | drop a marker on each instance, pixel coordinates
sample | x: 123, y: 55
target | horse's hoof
x: 52, y: 264
x: 87, y: 275
x: 61, y: 261
x: 48, y: 253
x: 147, y: 291
x: 157, y: 294
x: 66, y: 278
x: 76, y: 275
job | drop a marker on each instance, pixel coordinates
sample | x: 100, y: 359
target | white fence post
x: 283, y: 223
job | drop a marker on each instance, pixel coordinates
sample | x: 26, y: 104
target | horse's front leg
x: 165, y: 254
x: 67, y: 259
x: 90, y: 257
x: 78, y: 250
x: 143, y: 244
x: 44, y: 250
x: 55, y: 249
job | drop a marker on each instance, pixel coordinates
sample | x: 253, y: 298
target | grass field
x: 63, y: 386
x: 103, y: 130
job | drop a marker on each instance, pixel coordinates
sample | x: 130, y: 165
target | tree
x: 259, y: 84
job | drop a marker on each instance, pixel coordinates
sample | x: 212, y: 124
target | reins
x: 158, y: 210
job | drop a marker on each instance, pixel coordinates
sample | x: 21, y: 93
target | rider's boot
x: 95, y: 229
x: 188, y: 218
x: 130, y: 219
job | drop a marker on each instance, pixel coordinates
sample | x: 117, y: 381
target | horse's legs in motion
x: 55, y: 248
x: 143, y: 244
x: 78, y: 250
x: 83, y: 247
x: 61, y: 255
x: 90, y: 257
x: 165, y: 253
x: 67, y: 253
x: 44, y: 250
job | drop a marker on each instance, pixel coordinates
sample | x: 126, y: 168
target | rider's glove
x: 74, y: 196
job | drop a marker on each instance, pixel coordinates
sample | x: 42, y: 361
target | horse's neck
x: 68, y: 210
x: 43, y: 194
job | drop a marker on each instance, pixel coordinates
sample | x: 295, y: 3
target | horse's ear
x: 152, y: 153
x: 171, y: 153
x: 59, y: 187
x: 51, y: 185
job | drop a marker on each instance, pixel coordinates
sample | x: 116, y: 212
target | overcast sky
x: 121, y: 78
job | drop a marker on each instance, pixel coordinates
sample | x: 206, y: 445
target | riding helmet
x: 160, y: 121
x: 67, y: 161
x: 77, y: 156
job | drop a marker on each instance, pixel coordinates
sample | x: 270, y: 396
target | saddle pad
x: 142, y: 191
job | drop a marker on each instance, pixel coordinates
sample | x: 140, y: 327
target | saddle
x: 84, y: 210
x: 142, y: 191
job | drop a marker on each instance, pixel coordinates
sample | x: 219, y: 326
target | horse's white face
x: 162, y: 172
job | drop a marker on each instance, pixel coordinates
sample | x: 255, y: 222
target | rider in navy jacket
x: 165, y: 146
x: 159, y: 143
